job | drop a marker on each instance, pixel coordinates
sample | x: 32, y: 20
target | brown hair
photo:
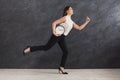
x: 65, y: 10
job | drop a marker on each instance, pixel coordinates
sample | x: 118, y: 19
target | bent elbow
x: 54, y: 23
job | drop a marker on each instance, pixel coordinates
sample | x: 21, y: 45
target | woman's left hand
x: 87, y: 19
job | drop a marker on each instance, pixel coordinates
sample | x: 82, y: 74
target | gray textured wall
x: 28, y: 22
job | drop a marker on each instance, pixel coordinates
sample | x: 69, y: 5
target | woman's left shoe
x: 60, y: 70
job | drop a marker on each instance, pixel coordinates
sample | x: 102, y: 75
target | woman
x: 60, y: 39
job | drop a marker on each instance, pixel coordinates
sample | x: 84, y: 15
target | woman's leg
x: 53, y: 39
x: 63, y: 46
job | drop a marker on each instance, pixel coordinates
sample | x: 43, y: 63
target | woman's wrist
x: 87, y: 21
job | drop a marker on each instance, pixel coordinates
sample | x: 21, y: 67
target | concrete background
x: 28, y: 22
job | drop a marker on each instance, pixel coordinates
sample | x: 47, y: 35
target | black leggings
x: 53, y: 39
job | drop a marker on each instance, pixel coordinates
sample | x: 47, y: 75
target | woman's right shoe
x: 60, y: 70
x: 25, y: 49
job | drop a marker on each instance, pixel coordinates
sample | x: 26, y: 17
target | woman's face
x: 70, y: 11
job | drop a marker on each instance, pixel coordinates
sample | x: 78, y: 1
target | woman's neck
x: 69, y: 15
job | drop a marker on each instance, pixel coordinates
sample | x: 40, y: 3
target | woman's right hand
x: 54, y: 33
x: 87, y: 19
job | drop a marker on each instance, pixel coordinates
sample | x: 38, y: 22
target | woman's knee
x: 66, y: 52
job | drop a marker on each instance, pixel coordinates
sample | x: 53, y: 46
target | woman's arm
x: 58, y: 21
x: 81, y: 26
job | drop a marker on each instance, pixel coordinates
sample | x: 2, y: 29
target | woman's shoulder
x: 65, y: 16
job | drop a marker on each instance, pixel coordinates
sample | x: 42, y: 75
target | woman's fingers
x: 56, y: 34
x: 87, y: 19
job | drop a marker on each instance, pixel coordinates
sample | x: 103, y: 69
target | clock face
x: 59, y: 30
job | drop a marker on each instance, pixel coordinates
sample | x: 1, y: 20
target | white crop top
x: 69, y: 26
